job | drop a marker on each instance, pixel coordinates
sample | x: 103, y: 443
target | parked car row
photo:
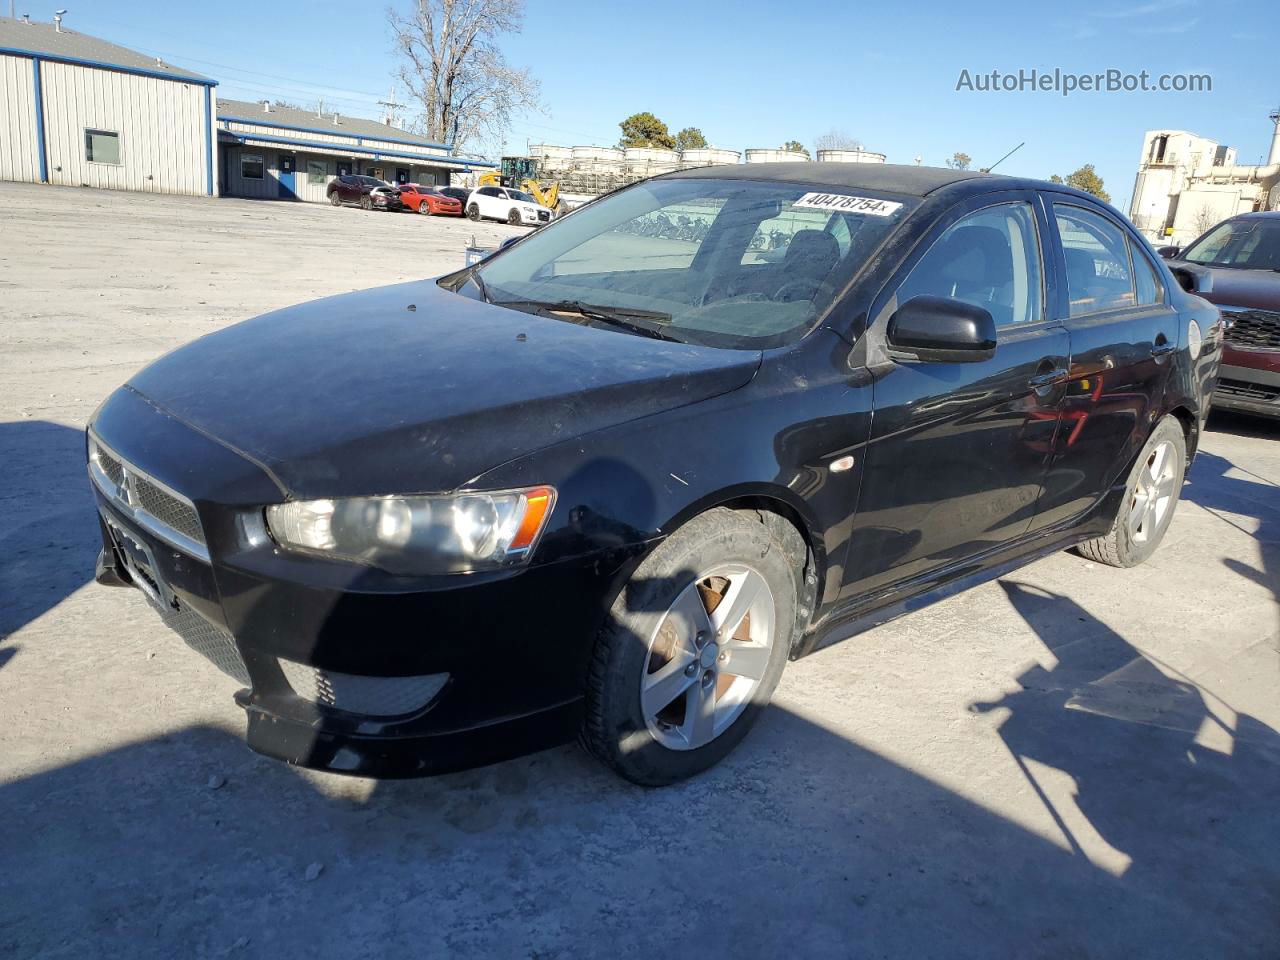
x: 487, y: 203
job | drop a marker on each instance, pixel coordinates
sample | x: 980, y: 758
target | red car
x: 1243, y: 255
x: 428, y: 201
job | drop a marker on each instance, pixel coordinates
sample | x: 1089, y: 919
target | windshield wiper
x: 622, y: 317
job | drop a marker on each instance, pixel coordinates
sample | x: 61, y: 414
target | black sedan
x: 606, y: 483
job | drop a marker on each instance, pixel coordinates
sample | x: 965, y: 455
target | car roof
x: 1258, y: 215
x: 889, y: 177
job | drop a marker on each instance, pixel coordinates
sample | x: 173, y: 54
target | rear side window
x: 991, y: 259
x: 1097, y: 258
x: 1146, y: 281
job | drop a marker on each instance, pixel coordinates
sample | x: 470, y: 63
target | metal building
x: 271, y: 151
x: 78, y: 111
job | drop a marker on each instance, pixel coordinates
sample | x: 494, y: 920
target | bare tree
x: 450, y: 63
x: 837, y: 140
x: 1204, y: 219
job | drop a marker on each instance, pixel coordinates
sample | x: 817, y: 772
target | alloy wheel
x: 1154, y: 492
x: 707, y: 656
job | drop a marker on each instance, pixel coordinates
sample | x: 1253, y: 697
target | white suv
x: 503, y: 203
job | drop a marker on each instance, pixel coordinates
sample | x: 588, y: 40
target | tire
x: 473, y: 212
x: 424, y: 208
x: 647, y: 637
x: 1143, y: 519
x: 335, y: 199
x: 513, y: 217
x: 365, y: 202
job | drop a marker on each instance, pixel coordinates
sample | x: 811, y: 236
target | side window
x: 991, y: 259
x: 1097, y: 258
x: 1146, y: 281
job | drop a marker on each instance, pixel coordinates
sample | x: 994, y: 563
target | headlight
x: 448, y: 534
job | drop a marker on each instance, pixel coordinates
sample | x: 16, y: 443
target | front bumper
x: 1248, y: 389
x: 514, y: 645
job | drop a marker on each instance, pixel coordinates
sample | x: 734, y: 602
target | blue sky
x: 756, y: 74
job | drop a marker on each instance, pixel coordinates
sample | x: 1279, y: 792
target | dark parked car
x: 457, y: 193
x: 1242, y: 255
x: 370, y: 193
x: 606, y: 483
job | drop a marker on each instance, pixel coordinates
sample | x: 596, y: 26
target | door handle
x: 1163, y: 346
x: 1052, y: 378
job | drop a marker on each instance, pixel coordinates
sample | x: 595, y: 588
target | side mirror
x: 941, y: 330
x: 1193, y: 279
x: 1168, y: 253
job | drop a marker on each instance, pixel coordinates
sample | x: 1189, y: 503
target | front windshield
x: 730, y: 263
x: 526, y: 197
x: 1249, y: 244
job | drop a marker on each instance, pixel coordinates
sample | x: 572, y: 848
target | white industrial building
x: 78, y: 111
x: 271, y: 151
x: 1187, y: 183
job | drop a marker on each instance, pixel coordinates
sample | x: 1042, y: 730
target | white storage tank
x: 850, y: 156
x: 607, y: 154
x: 775, y: 156
x: 708, y: 156
x: 556, y: 156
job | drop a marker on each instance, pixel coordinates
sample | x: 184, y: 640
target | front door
x: 288, y: 177
x: 958, y: 451
x: 1123, y: 335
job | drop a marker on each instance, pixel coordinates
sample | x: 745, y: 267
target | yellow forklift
x: 521, y: 173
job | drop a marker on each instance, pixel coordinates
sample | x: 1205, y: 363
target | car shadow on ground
x: 1233, y: 494
x: 48, y: 529
x: 802, y: 842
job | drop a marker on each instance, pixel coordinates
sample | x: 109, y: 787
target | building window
x: 250, y: 166
x: 102, y: 146
x: 316, y: 171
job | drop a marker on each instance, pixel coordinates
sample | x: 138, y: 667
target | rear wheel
x: 513, y: 217
x: 473, y: 212
x: 692, y: 650
x: 1152, y: 493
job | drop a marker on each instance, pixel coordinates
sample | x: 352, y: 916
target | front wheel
x: 513, y: 218
x: 473, y: 212
x: 692, y: 649
x: 1150, y: 497
x: 424, y: 208
x: 366, y: 203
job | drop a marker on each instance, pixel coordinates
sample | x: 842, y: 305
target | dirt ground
x: 1072, y: 761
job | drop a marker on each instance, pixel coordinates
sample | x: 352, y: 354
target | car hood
x: 411, y: 388
x: 1259, y: 289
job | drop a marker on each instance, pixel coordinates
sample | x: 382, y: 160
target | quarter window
x: 1097, y: 258
x: 102, y: 146
x: 251, y: 167
x: 990, y: 259
x: 1146, y: 281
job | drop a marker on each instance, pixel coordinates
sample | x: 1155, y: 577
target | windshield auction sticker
x: 847, y: 204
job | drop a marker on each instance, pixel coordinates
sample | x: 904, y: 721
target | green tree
x: 1086, y: 179
x: 959, y: 161
x: 645, y: 130
x: 690, y: 138
x: 796, y: 147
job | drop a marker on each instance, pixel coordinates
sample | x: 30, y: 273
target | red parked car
x: 428, y: 201
x: 1243, y: 256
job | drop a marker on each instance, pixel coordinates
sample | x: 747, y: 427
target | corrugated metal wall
x: 236, y: 185
x: 160, y: 122
x: 19, y: 151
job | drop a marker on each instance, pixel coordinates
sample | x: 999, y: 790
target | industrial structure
x: 1187, y: 183
x: 79, y: 111
x: 270, y: 151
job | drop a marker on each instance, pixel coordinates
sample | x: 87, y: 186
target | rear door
x: 1123, y: 335
x: 958, y: 451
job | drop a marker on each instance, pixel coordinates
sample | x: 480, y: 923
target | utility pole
x: 390, y: 116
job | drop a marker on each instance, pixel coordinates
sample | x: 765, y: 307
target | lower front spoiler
x: 309, y: 745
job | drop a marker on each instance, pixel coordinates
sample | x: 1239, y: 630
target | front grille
x: 164, y: 512
x: 1253, y: 328
x: 544, y: 214
x: 211, y: 642
x: 1248, y: 391
x: 371, y: 696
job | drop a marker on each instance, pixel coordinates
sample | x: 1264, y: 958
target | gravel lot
x: 1070, y: 762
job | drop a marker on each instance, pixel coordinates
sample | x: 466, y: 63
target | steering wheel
x: 799, y: 289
